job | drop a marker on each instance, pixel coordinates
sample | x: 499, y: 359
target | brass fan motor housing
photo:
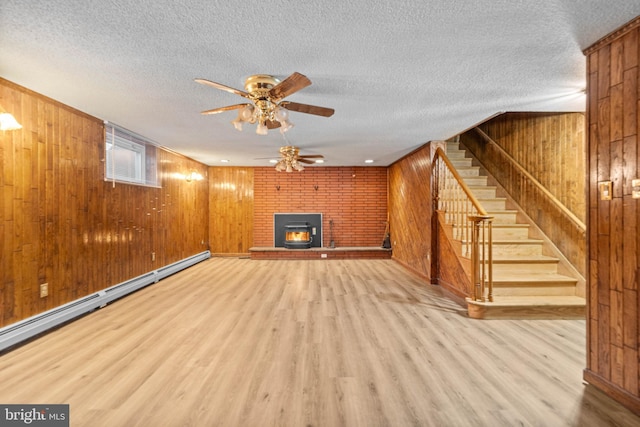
x: 258, y: 87
x: 261, y: 82
x: 289, y: 151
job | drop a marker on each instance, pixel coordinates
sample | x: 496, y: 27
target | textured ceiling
x: 398, y: 74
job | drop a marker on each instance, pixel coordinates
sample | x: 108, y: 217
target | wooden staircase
x: 526, y: 283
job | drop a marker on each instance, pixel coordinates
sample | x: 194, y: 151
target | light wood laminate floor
x: 240, y: 342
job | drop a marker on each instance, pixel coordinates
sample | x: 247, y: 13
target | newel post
x: 481, y: 257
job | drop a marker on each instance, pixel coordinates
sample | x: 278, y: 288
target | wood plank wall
x: 231, y: 204
x: 453, y: 271
x: 355, y: 198
x: 410, y: 208
x: 551, y: 147
x: 613, y: 146
x: 62, y: 224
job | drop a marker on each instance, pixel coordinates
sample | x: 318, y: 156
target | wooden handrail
x: 578, y: 223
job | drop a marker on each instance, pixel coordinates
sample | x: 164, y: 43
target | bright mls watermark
x: 34, y: 415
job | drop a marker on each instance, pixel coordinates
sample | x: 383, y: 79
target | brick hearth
x: 320, y: 253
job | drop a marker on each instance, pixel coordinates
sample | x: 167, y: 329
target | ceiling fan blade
x: 291, y: 84
x: 272, y: 124
x: 311, y: 156
x: 222, y: 87
x: 308, y: 109
x: 309, y: 162
x: 222, y: 109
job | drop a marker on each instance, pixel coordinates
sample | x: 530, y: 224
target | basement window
x: 130, y: 158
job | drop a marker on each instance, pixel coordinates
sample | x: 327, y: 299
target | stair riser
x: 542, y: 290
x: 460, y: 162
x: 456, y: 154
x: 524, y: 268
x: 475, y: 180
x: 526, y: 312
x: 493, y: 205
x: 503, y: 217
x: 511, y: 249
x: 464, y: 172
x: 498, y: 232
x: 509, y: 233
x: 484, y: 193
x: 521, y: 249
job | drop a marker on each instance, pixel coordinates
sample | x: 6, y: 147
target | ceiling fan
x: 267, y: 107
x: 292, y: 159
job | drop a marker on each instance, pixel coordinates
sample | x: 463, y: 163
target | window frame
x: 143, y: 151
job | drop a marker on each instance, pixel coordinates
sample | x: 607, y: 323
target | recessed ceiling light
x: 273, y: 161
x: 368, y: 161
x: 319, y: 161
x: 224, y: 161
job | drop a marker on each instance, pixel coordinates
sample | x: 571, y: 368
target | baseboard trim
x: 616, y: 393
x: 28, y: 328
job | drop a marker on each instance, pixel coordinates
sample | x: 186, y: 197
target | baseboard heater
x: 32, y: 326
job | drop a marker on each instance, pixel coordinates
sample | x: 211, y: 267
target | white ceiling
x: 398, y: 73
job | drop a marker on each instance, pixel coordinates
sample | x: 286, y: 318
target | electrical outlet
x: 44, y: 290
x: 323, y: 255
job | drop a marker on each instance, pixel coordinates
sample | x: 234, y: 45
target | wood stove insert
x: 313, y: 220
x: 297, y: 235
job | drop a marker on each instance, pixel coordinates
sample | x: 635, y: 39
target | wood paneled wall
x: 614, y: 225
x: 410, y: 208
x: 355, y: 198
x: 231, y: 207
x: 62, y: 224
x: 551, y: 147
x: 453, y: 272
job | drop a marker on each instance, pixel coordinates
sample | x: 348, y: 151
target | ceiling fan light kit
x: 289, y: 166
x: 292, y: 159
x: 267, y: 109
